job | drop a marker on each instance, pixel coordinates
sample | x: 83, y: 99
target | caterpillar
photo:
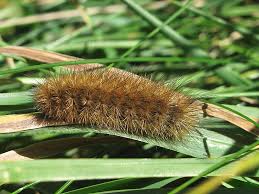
x: 120, y: 101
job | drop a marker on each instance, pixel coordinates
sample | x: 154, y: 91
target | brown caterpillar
x: 118, y: 101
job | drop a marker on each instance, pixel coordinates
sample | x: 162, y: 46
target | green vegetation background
x: 213, y: 44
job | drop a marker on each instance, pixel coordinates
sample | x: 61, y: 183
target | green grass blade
x: 166, y: 30
x: 64, y: 187
x: 215, y: 19
x: 201, y: 143
x: 80, y: 169
x: 216, y: 166
x: 109, y: 185
x: 105, y: 60
x: 157, y: 30
x: 161, y: 184
x: 25, y: 187
x: 16, y: 98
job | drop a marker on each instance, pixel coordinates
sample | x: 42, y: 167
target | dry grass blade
x: 37, y: 55
x: 39, y: 18
x: 218, y: 112
x: 22, y: 122
x: 27, y: 121
x: 52, y: 147
x: 45, y: 56
x: 58, y: 15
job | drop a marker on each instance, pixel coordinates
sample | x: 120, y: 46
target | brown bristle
x: 122, y: 102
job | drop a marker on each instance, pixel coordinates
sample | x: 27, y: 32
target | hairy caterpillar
x: 118, y: 101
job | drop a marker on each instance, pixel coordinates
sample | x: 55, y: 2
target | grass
x: 215, y: 44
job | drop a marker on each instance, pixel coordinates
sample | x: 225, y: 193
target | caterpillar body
x: 120, y: 101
